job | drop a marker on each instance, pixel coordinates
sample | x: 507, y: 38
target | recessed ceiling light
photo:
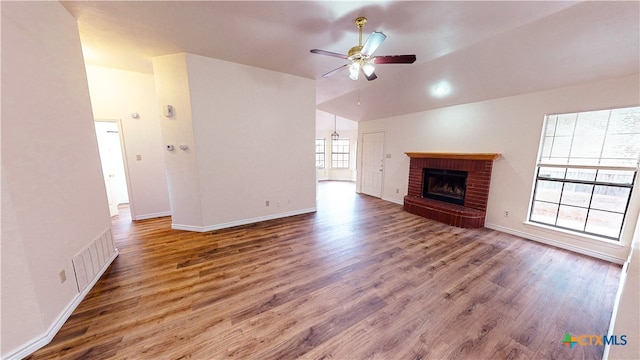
x: 441, y: 89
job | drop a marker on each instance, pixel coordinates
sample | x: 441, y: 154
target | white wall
x: 347, y: 129
x: 510, y: 126
x: 53, y: 196
x: 250, y: 134
x: 115, y: 94
x: 625, y: 320
x: 172, y: 88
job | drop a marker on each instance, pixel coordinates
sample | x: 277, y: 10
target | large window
x: 587, y: 166
x: 320, y: 151
x: 340, y: 154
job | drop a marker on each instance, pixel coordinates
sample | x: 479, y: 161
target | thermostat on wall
x: 167, y: 110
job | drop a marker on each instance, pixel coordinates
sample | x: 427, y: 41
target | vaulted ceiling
x: 478, y: 50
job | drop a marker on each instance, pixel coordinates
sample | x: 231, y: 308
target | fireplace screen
x: 444, y: 185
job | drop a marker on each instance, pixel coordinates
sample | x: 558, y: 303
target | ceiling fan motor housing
x: 355, y: 53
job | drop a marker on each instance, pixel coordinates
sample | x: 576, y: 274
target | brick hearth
x: 469, y: 215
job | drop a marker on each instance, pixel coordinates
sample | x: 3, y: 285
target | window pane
x: 591, y: 128
x: 544, y: 212
x: 320, y: 153
x: 545, y: 152
x: 615, y: 176
x: 340, y: 154
x: 596, y: 120
x: 550, y: 126
x: 566, y: 124
x: 576, y: 194
x: 572, y: 217
x: 623, y: 139
x: 561, y: 149
x: 605, y: 223
x: 581, y: 174
x: 625, y: 121
x: 610, y: 198
x: 552, y: 172
x: 620, y: 147
x: 548, y: 191
x: 549, y: 135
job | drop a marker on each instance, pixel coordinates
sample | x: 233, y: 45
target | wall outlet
x: 397, y: 191
x: 138, y: 157
x: 289, y: 200
x: 63, y: 276
x: 506, y: 213
x: 266, y: 203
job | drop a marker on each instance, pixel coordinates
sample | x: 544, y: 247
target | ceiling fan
x: 361, y: 56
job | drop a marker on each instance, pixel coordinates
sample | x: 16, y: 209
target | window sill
x: 578, y: 236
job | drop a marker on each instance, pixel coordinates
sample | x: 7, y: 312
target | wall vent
x: 88, y: 263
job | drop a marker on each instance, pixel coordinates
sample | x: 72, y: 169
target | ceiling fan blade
x: 329, y: 53
x: 335, y: 71
x: 394, y: 59
x: 373, y: 42
x: 373, y: 76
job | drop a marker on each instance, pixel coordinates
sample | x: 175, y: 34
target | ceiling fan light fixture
x: 354, y: 71
x: 368, y: 68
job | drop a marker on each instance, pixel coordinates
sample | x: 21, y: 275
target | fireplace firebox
x: 444, y: 185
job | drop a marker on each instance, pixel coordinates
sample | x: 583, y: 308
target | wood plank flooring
x: 359, y: 279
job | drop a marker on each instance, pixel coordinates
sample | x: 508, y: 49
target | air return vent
x: 89, y: 263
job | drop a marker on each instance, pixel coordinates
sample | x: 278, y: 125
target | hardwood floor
x: 359, y: 279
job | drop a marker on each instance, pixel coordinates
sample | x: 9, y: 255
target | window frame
x: 593, y: 183
x: 323, y: 154
x: 597, y: 186
x: 336, y: 154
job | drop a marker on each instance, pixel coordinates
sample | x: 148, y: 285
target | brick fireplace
x: 472, y: 210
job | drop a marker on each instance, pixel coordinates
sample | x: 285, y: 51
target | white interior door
x: 372, y: 164
x: 110, y: 149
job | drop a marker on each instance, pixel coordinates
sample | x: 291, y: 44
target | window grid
x: 586, y: 171
x: 589, y: 208
x: 340, y: 152
x: 320, y: 153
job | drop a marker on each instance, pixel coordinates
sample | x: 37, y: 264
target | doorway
x: 372, y: 164
x: 108, y: 133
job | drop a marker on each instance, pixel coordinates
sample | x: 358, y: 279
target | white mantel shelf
x: 461, y: 156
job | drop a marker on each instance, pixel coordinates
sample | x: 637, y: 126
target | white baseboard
x: 37, y: 343
x: 152, y: 215
x: 241, y: 222
x: 395, y: 201
x: 577, y: 249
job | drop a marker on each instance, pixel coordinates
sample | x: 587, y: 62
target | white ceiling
x: 482, y: 49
